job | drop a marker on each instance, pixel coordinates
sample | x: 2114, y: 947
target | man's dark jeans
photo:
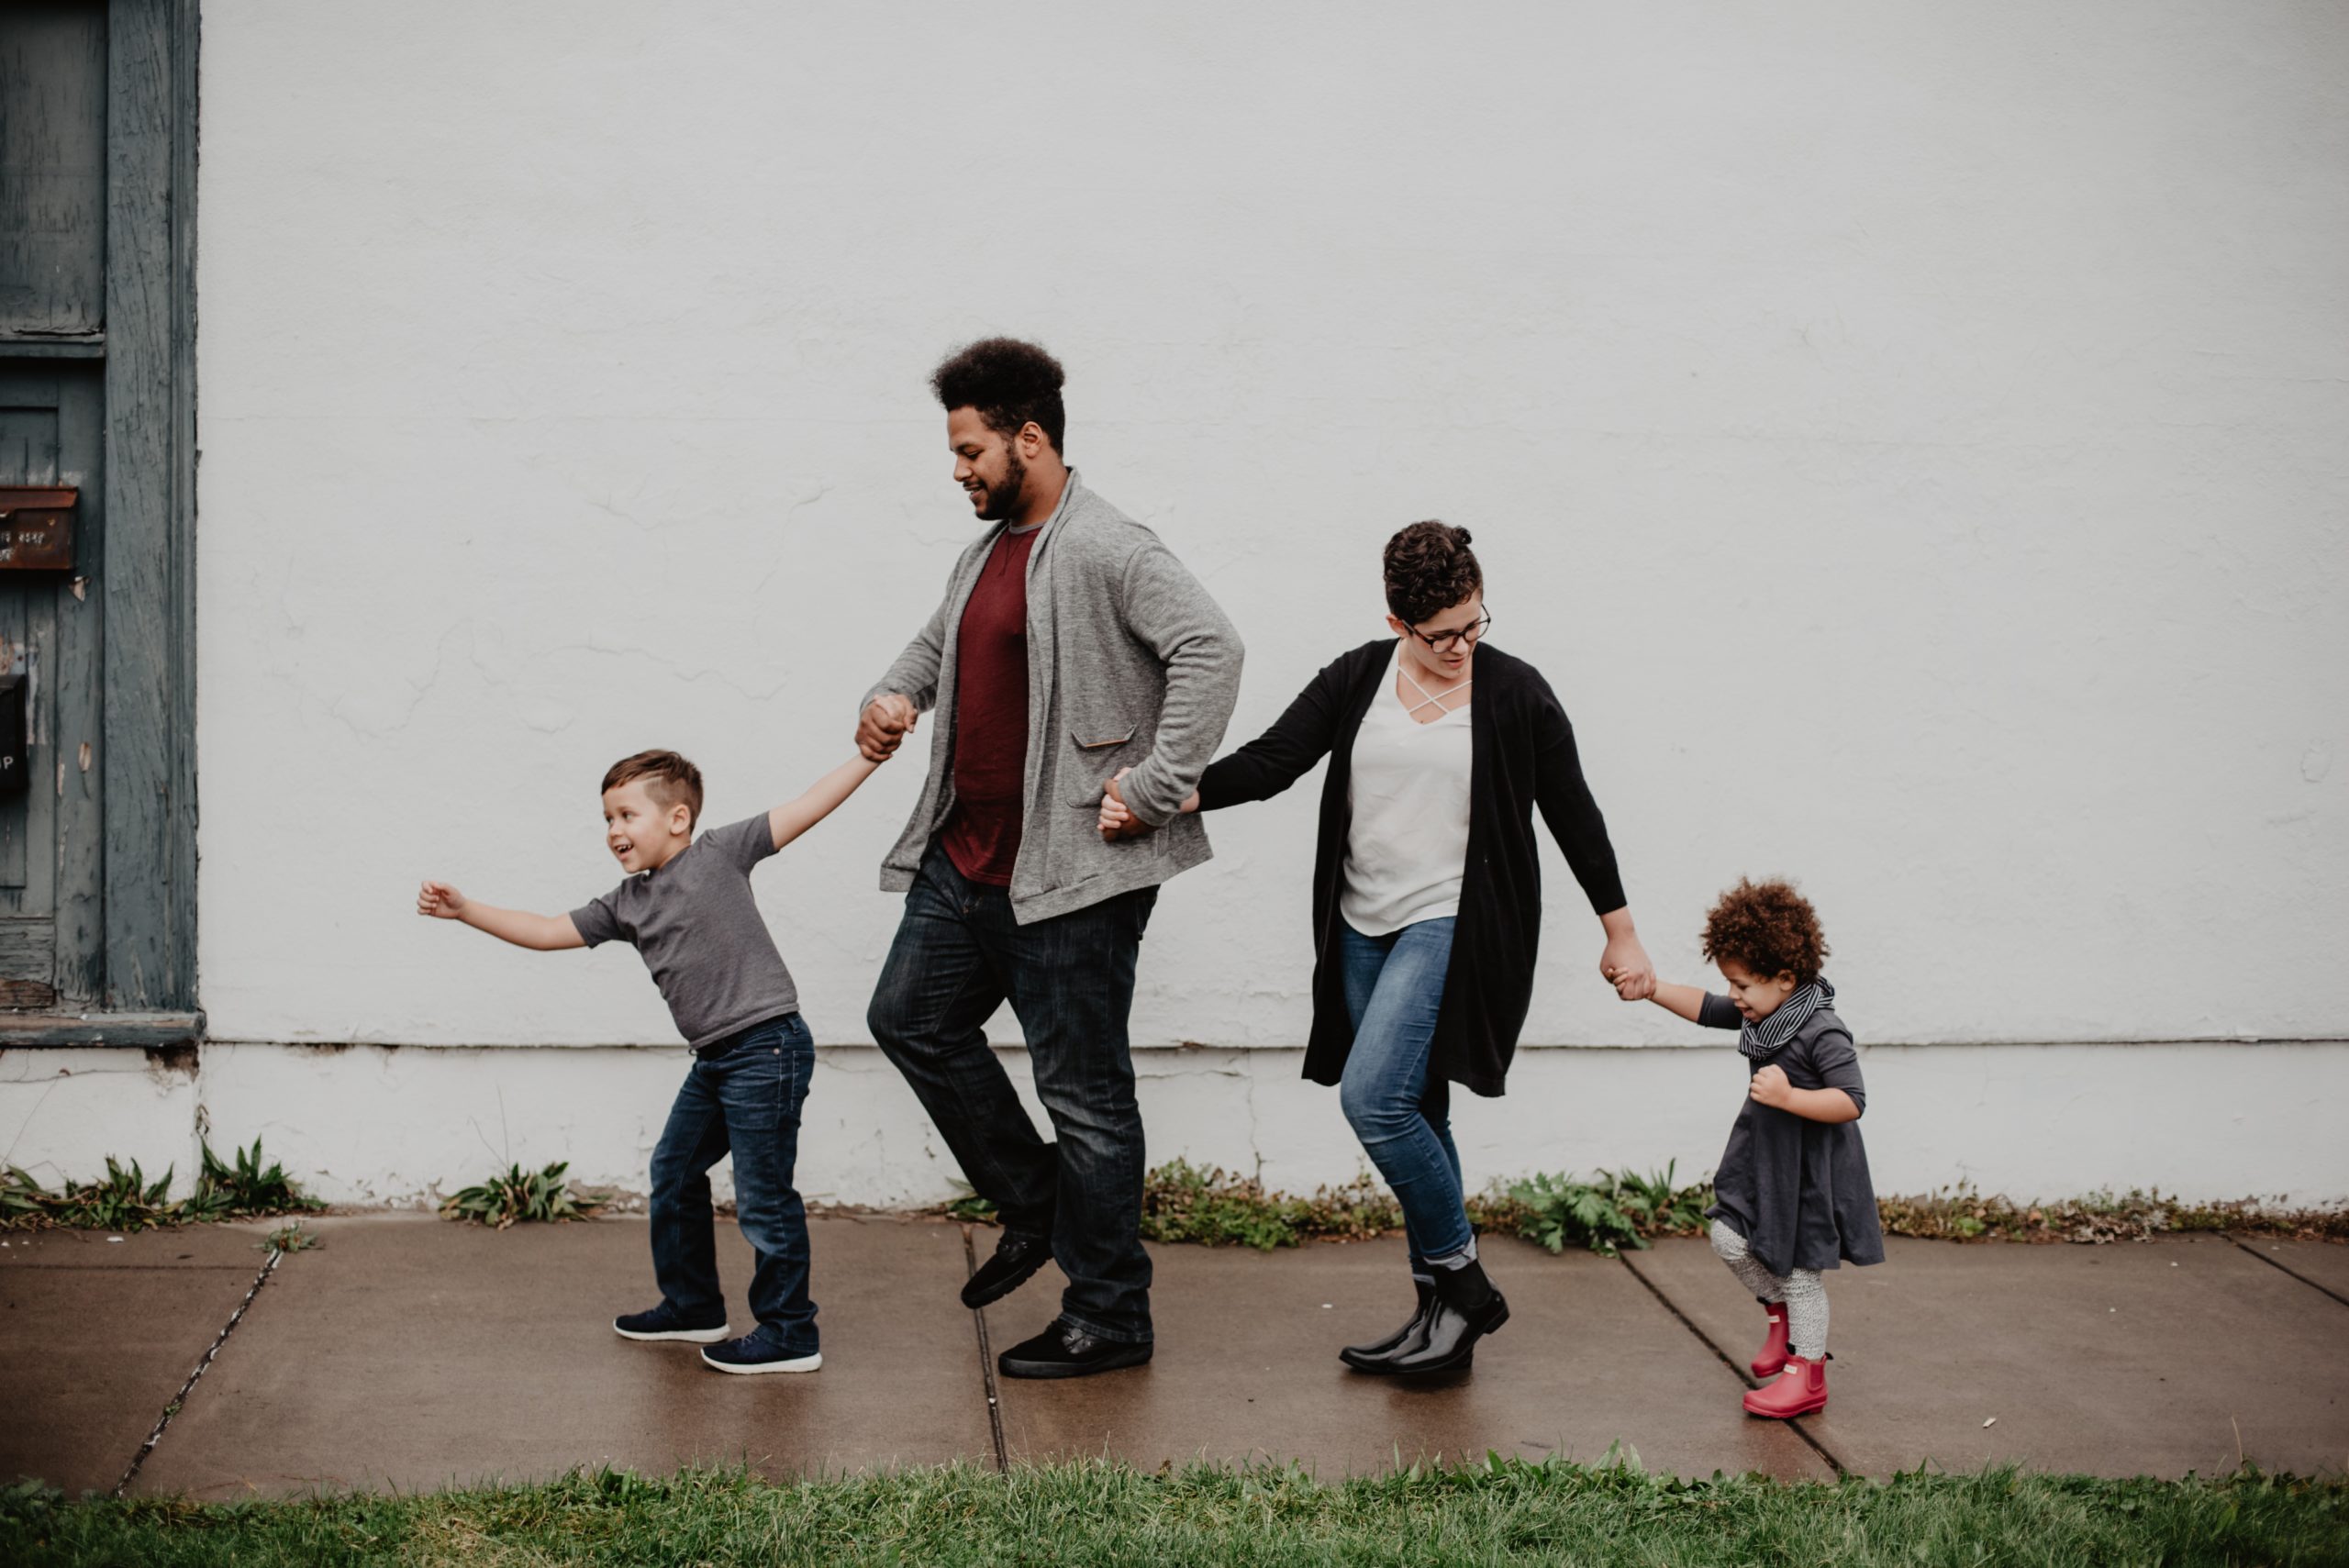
x: 741, y: 1096
x: 957, y: 956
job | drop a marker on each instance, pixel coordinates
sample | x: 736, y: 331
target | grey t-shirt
x: 698, y: 930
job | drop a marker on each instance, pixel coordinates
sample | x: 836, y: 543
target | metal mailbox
x: 15, y: 762
x: 37, y: 528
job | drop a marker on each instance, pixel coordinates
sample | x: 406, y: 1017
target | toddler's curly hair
x: 1769, y: 929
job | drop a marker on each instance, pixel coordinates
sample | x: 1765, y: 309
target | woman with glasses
x: 1427, y: 898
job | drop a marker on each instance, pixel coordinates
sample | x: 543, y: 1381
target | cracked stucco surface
x: 377, y: 1125
x: 1994, y: 454
x: 1982, y: 472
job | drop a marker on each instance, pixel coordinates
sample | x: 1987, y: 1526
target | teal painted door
x: 54, y: 87
x: 51, y: 928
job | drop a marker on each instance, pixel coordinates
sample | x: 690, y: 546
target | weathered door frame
x: 148, y: 575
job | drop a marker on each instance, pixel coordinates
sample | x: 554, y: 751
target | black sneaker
x: 1017, y: 1258
x: 666, y: 1322
x: 754, y: 1351
x: 1067, y: 1350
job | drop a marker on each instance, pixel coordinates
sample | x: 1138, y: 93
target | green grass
x: 1502, y: 1511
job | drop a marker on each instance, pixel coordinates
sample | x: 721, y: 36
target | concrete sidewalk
x: 410, y: 1352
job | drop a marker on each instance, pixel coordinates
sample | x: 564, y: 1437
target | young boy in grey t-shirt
x: 687, y: 909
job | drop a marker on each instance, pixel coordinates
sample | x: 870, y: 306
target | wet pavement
x: 2188, y: 1355
x: 407, y: 1352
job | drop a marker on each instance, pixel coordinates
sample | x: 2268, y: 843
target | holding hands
x: 883, y: 725
x: 1118, y: 819
x: 1624, y: 962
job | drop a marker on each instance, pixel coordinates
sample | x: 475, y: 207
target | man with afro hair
x: 1071, y: 647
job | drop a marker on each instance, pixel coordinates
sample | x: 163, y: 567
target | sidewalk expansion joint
x: 1736, y: 1371
x: 986, y: 1360
x: 179, y: 1400
x: 2286, y: 1268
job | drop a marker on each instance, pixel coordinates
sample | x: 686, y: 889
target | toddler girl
x: 1792, y: 1196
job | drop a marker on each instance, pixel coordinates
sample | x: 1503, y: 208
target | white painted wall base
x: 395, y: 1125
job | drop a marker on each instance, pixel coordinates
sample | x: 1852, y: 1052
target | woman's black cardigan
x: 1524, y: 756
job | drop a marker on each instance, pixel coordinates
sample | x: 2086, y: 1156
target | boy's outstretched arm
x: 541, y: 933
x: 1687, y: 1001
x: 794, y: 817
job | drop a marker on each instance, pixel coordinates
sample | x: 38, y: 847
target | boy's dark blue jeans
x: 741, y: 1097
x: 957, y: 956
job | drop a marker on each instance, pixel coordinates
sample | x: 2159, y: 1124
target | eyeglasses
x: 1445, y: 641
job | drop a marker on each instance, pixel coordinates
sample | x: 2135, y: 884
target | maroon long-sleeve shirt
x: 981, y: 836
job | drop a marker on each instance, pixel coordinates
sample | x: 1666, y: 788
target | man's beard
x: 1002, y: 500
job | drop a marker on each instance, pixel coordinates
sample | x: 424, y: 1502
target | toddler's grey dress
x: 1798, y: 1190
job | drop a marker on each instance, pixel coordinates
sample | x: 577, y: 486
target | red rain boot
x: 1800, y: 1390
x: 1770, y: 1359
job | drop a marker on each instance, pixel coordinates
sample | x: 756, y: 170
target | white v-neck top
x: 1407, y: 846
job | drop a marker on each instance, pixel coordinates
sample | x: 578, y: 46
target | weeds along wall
x: 1909, y: 441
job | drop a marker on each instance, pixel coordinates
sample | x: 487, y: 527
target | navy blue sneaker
x: 758, y: 1352
x: 666, y: 1322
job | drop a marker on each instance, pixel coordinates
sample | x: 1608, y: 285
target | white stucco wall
x: 1911, y: 439
x: 396, y: 1125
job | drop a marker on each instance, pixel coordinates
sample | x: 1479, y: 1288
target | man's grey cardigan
x: 1129, y: 664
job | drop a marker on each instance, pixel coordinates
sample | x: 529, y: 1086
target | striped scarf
x: 1761, y: 1040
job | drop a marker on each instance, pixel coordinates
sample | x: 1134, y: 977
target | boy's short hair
x: 1768, y: 928
x: 1429, y: 568
x: 669, y: 779
x: 1010, y: 383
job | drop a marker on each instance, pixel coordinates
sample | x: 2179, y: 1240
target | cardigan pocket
x: 1099, y: 749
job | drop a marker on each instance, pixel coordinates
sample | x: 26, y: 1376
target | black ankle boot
x: 1380, y: 1355
x: 1467, y: 1308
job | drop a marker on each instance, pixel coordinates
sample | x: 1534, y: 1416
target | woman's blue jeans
x: 1402, y: 1114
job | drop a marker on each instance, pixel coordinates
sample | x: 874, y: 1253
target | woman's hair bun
x: 1429, y: 568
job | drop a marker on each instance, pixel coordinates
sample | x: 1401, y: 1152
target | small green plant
x: 520, y: 1197
x: 289, y: 1239
x: 22, y: 1200
x: 1182, y: 1202
x: 244, y: 1188
x: 971, y: 1207
x: 1613, y: 1211
x: 122, y: 1200
x: 126, y: 1200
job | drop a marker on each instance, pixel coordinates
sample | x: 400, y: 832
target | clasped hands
x: 883, y: 725
x: 1624, y: 965
x: 1118, y: 819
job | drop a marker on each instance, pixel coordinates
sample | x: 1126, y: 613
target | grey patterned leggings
x: 1803, y: 1291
